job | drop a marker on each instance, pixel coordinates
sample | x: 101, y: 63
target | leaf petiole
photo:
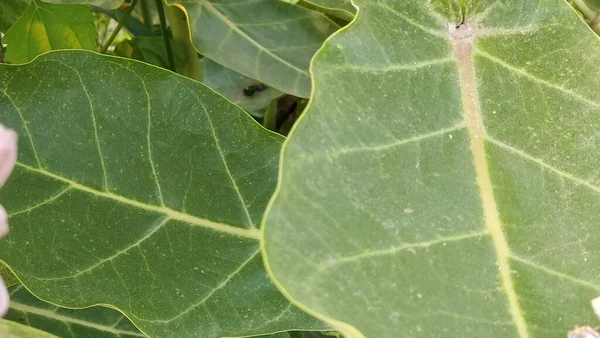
x: 120, y: 25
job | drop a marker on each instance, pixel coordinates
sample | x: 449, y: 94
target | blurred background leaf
x: 44, y: 27
x: 10, y: 11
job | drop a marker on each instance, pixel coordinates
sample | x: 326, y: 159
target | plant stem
x: 146, y: 14
x: 165, y: 34
x: 592, y: 17
x: 587, y: 12
x: 270, y: 118
x: 122, y: 21
x: 181, y: 34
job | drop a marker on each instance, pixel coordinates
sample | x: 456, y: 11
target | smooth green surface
x: 10, y: 329
x: 10, y: 10
x: 141, y: 189
x: 95, y: 322
x: 231, y: 84
x: 44, y: 27
x: 379, y: 221
x: 267, y: 40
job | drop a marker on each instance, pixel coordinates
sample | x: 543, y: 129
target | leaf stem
x: 165, y: 34
x: 592, y: 17
x: 120, y: 25
x: 181, y: 34
x: 146, y: 14
x: 270, y: 118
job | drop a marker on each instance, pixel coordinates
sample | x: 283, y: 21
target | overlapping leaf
x: 107, y: 4
x: 444, y: 181
x: 141, y: 189
x: 245, y: 92
x: 86, y: 323
x: 44, y: 27
x: 342, y: 9
x: 10, y: 329
x: 267, y: 40
x: 10, y: 10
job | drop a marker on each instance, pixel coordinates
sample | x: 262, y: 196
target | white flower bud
x: 8, y: 158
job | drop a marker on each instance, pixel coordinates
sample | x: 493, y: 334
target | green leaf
x: 7, y: 276
x: 45, y: 27
x: 85, y: 323
x: 342, y: 9
x: 106, y: 4
x: 9, y: 329
x: 444, y: 181
x: 10, y: 11
x: 245, y: 92
x: 267, y: 40
x: 151, y: 49
x: 140, y: 189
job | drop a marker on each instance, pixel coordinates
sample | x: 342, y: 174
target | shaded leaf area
x: 7, y: 276
x: 444, y: 181
x: 268, y: 40
x: 44, y: 27
x: 151, y: 49
x: 95, y: 322
x: 106, y: 4
x: 143, y: 192
x: 593, y: 3
x: 11, y: 11
x: 342, y: 9
x: 10, y: 329
x: 133, y: 24
x: 299, y: 334
x: 247, y: 93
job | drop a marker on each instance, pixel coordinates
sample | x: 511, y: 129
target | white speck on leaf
x: 394, y: 317
x: 331, y: 260
x: 408, y: 211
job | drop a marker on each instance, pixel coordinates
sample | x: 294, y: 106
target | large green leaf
x: 45, y: 27
x: 9, y: 329
x: 267, y: 40
x: 444, y: 181
x: 140, y: 189
x: 10, y: 11
x: 95, y: 322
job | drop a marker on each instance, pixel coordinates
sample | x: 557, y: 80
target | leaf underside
x: 107, y: 4
x: 140, y: 189
x: 86, y: 323
x: 455, y: 191
x: 267, y: 40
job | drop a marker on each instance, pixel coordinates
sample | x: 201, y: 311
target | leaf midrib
x: 170, y: 213
x: 463, y: 46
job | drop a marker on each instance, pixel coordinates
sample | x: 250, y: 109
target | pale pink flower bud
x: 8, y: 153
x: 8, y: 158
